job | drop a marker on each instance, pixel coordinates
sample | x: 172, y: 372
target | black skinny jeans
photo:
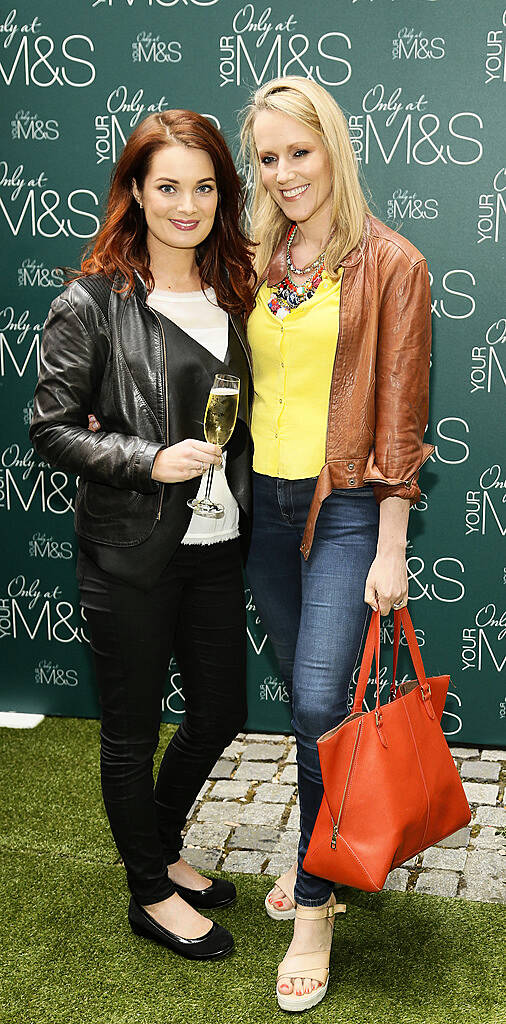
x: 196, y: 610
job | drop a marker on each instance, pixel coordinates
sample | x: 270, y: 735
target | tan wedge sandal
x: 308, y: 965
x: 286, y: 883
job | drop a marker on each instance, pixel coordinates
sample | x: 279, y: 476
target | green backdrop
x: 423, y: 85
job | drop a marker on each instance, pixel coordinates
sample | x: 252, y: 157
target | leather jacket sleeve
x: 73, y: 358
x: 402, y: 387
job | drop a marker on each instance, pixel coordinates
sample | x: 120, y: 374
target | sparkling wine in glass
x: 219, y: 422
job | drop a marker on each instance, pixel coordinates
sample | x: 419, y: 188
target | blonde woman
x: 340, y: 336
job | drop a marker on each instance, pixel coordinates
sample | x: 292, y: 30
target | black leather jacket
x: 115, y: 366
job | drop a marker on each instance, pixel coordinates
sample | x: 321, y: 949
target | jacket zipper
x: 166, y: 393
x: 335, y: 827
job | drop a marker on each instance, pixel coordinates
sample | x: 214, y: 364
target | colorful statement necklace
x: 289, y: 294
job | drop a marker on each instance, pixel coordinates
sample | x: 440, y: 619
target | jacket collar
x: 234, y: 319
x: 277, y: 267
x: 140, y: 288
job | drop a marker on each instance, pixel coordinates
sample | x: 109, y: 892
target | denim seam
x: 313, y: 903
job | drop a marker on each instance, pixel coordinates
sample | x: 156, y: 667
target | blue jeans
x: 315, y: 615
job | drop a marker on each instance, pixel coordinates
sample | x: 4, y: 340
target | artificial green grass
x: 70, y: 958
x: 67, y: 954
x: 50, y: 797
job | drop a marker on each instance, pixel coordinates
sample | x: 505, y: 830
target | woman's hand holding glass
x: 178, y: 462
x: 184, y: 461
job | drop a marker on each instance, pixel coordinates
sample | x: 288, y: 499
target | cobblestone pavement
x: 246, y: 820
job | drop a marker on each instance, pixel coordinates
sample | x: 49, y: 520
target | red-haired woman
x: 138, y: 338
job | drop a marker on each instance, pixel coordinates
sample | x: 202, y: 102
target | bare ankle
x: 152, y: 908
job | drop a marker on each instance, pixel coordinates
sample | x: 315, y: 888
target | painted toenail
x: 278, y: 903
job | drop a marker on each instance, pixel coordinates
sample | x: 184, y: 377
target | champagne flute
x: 219, y: 422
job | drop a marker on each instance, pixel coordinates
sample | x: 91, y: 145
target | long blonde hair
x: 309, y: 103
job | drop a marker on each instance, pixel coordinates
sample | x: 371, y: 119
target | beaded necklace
x: 289, y: 294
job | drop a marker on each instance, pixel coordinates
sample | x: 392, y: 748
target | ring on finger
x: 202, y: 468
x: 398, y: 604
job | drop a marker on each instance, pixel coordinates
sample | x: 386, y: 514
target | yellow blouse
x: 293, y: 359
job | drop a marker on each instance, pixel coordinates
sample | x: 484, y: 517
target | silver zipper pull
x: 333, y: 841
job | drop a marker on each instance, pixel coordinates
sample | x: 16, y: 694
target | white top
x: 200, y: 316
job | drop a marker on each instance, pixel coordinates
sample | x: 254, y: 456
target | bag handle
x: 403, y: 617
x: 372, y: 647
x: 397, y: 637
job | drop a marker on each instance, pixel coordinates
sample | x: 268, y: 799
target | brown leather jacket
x: 379, y: 396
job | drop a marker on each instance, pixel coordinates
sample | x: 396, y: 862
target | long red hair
x: 225, y: 256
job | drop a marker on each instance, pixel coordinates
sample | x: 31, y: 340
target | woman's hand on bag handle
x: 184, y: 461
x: 387, y: 580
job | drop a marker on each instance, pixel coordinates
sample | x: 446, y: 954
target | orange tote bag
x: 391, y: 785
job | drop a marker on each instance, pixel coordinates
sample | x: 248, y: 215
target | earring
x: 140, y: 204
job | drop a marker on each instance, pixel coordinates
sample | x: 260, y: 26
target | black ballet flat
x: 219, y: 894
x: 217, y: 943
